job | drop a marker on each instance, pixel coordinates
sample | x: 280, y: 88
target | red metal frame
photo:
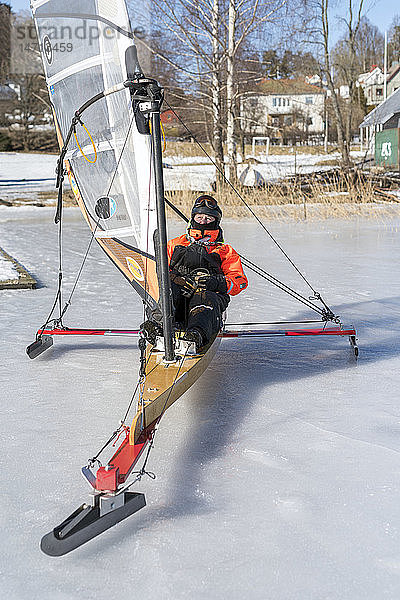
x: 120, y: 465
x: 288, y: 333
x: 223, y: 334
x: 75, y: 331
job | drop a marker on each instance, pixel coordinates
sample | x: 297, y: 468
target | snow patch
x: 7, y: 270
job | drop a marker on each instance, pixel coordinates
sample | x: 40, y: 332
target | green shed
x: 387, y: 148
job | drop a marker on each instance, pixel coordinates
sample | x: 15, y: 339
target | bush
x: 39, y: 141
x: 5, y: 142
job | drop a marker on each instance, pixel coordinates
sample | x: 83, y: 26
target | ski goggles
x: 206, y: 201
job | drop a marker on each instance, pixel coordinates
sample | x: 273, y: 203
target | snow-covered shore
x: 25, y: 174
x: 7, y: 269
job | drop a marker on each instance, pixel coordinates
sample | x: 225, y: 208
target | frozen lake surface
x: 277, y: 474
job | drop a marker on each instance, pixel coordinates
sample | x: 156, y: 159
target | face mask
x: 203, y: 226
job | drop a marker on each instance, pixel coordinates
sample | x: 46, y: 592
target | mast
x: 165, y: 285
x: 149, y: 96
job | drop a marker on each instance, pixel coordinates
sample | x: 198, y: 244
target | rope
x: 134, y: 393
x: 98, y: 221
x: 58, y: 295
x: 121, y: 426
x: 95, y: 459
x: 151, y: 442
x: 243, y: 200
x: 58, y: 298
x: 282, y: 286
x: 139, y: 474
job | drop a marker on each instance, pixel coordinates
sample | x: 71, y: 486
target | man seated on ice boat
x: 204, y: 273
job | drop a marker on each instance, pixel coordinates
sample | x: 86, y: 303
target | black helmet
x: 207, y: 205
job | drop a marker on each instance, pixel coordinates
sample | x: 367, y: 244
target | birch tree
x: 245, y: 17
x: 210, y: 35
x: 216, y: 91
x: 196, y: 27
x: 328, y: 72
x: 316, y: 30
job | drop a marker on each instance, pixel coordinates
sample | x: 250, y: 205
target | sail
x: 86, y: 47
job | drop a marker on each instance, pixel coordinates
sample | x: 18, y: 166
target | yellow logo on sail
x: 73, y: 185
x: 135, y: 268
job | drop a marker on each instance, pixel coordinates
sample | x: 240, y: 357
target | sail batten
x: 108, y: 159
x: 88, y: 63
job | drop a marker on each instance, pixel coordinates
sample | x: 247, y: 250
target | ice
x: 277, y: 473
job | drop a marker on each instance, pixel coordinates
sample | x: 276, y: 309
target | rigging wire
x: 246, y: 204
x: 63, y: 310
x: 58, y: 297
x: 143, y: 471
x: 285, y: 289
x: 326, y: 313
x: 122, y: 424
x: 68, y: 302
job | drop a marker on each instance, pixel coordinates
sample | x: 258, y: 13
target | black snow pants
x: 202, y: 311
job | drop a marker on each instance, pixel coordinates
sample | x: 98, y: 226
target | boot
x: 196, y: 336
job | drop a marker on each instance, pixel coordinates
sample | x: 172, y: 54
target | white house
x: 384, y: 116
x: 372, y: 84
x: 284, y: 109
x: 393, y: 79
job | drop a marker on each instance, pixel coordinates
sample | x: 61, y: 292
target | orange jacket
x: 231, y: 265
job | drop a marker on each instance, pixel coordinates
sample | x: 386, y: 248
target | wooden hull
x: 165, y: 383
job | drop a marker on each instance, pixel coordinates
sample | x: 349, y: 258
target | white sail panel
x: 84, y: 45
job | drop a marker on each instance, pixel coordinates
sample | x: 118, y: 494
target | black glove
x: 213, y: 283
x: 189, y: 287
x: 187, y: 284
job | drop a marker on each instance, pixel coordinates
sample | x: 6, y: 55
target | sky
x: 379, y: 12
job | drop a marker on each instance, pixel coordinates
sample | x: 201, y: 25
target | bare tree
x: 370, y: 45
x: 230, y: 91
x: 317, y: 24
x: 353, y: 22
x: 328, y: 72
x: 196, y: 28
x: 394, y: 40
x: 31, y: 107
x: 216, y: 90
x: 244, y: 18
x: 211, y: 35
